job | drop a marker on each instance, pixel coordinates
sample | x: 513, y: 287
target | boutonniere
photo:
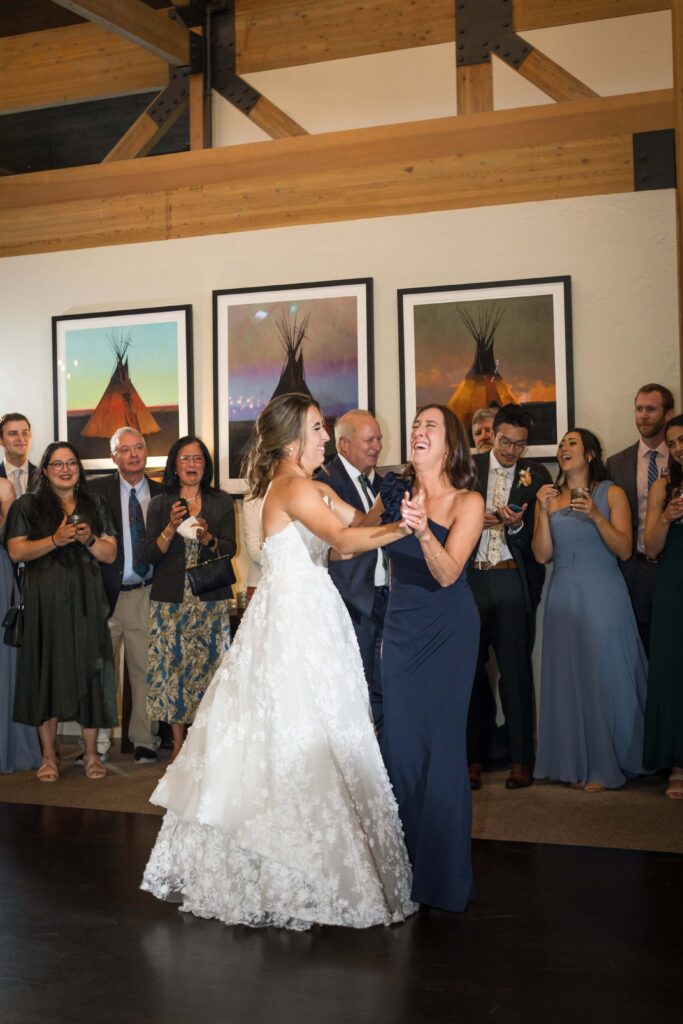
x: 524, y: 478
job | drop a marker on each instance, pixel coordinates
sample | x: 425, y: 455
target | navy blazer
x: 31, y: 471
x: 110, y: 489
x: 532, y: 573
x: 622, y: 469
x: 354, y: 577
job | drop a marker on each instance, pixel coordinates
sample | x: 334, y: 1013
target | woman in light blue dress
x: 594, y: 668
x: 19, y: 746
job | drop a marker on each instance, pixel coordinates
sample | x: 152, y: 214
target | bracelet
x: 92, y: 540
x: 52, y: 538
x: 167, y: 539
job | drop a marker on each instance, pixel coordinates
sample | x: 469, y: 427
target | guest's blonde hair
x: 281, y: 424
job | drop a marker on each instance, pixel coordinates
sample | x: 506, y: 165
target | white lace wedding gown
x: 280, y: 811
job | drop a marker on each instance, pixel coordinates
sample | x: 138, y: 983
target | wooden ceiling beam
x: 474, y: 87
x: 152, y: 124
x: 273, y: 121
x: 72, y: 65
x: 552, y: 79
x: 282, y: 33
x: 135, y: 21
x: 537, y: 153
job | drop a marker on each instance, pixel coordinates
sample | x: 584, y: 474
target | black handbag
x: 215, y: 574
x: 13, y: 621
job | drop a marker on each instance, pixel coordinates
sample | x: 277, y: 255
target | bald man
x: 362, y: 581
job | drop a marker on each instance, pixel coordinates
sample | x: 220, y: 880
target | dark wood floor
x: 557, y: 934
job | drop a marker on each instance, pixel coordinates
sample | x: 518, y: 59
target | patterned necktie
x: 18, y: 488
x: 494, y: 548
x: 137, y: 535
x: 369, y: 492
x: 652, y: 471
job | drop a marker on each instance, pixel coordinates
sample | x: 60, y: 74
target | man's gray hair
x: 483, y: 414
x: 344, y: 427
x: 116, y: 437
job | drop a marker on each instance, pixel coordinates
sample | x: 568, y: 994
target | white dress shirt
x: 355, y: 474
x: 142, y: 494
x: 494, y: 464
x: 642, y: 467
x: 18, y: 477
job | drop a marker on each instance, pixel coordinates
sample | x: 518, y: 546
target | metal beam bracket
x: 483, y: 27
x: 654, y: 160
x: 175, y: 93
x: 223, y: 61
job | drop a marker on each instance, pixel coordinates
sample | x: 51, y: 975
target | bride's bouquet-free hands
x: 414, y: 514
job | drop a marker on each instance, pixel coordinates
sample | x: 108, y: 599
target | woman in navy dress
x: 431, y: 638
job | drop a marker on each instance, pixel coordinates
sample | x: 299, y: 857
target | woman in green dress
x: 188, y: 635
x: 65, y: 668
x: 664, y: 540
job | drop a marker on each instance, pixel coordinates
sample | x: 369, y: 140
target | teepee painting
x: 312, y: 339
x: 470, y: 347
x: 129, y: 369
x: 120, y: 405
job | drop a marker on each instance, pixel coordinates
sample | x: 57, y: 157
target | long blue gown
x: 429, y: 654
x: 19, y: 745
x: 593, y: 668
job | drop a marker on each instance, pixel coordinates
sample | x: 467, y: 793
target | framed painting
x: 128, y: 368
x: 314, y: 338
x: 486, y: 345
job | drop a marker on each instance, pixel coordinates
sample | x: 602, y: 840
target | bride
x: 279, y: 808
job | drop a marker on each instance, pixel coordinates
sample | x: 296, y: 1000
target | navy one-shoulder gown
x: 429, y: 654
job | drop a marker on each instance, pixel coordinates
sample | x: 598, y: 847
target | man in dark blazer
x: 15, y: 438
x: 506, y: 582
x: 127, y: 581
x: 634, y: 469
x: 362, y: 581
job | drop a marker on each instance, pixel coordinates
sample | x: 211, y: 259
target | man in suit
x: 635, y: 469
x: 127, y: 581
x: 362, y: 581
x: 506, y: 582
x: 15, y: 438
x: 482, y: 429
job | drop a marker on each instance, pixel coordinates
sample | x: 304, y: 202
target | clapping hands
x: 414, y: 514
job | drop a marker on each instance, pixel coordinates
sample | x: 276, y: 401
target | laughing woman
x: 593, y: 669
x: 664, y: 540
x: 64, y: 668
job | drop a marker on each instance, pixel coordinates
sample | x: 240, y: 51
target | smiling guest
x: 593, y: 673
x: 482, y: 429
x: 65, y: 668
x: 507, y: 583
x: 15, y: 438
x: 188, y: 635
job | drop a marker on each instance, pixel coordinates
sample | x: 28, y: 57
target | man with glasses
x: 127, y: 581
x: 506, y: 582
x: 15, y: 438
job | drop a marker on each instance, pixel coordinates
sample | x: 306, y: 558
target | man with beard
x: 635, y: 469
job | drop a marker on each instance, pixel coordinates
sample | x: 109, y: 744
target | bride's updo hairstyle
x: 458, y: 465
x: 282, y: 424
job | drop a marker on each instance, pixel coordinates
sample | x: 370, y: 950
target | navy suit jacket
x: 354, y: 577
x: 532, y: 573
x: 110, y: 489
x: 622, y: 469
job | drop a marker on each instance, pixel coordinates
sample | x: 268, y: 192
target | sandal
x: 594, y: 787
x: 94, y: 769
x: 674, y: 789
x: 49, y: 770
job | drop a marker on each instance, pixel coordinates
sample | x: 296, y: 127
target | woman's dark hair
x: 46, y: 511
x: 171, y: 481
x: 592, y: 449
x: 675, y: 477
x: 281, y: 423
x: 458, y: 466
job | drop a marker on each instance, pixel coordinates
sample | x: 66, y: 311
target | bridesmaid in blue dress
x: 431, y: 638
x: 593, y: 668
x: 19, y: 746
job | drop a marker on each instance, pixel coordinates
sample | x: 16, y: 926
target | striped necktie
x: 652, y: 470
x: 369, y: 492
x: 136, y: 521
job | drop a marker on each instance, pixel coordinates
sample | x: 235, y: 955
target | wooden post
x: 677, y: 27
x: 474, y: 86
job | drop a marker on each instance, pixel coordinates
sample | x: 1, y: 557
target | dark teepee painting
x: 120, y: 405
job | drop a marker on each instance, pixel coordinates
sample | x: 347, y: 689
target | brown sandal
x: 94, y: 769
x: 49, y: 770
x: 674, y: 789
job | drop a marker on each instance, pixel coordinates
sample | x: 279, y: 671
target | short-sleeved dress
x: 65, y: 666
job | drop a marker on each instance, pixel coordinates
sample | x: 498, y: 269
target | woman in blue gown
x: 431, y: 638
x: 19, y: 746
x: 593, y: 668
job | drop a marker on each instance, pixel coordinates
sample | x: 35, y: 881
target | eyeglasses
x: 70, y: 464
x: 128, y: 448
x: 508, y: 444
x: 190, y: 458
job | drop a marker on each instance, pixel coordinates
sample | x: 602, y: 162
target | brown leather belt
x: 641, y: 557
x: 507, y: 563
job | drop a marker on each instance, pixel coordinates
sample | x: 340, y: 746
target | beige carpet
x: 637, y: 817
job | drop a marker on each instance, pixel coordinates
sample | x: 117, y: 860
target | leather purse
x: 215, y: 574
x: 13, y: 620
